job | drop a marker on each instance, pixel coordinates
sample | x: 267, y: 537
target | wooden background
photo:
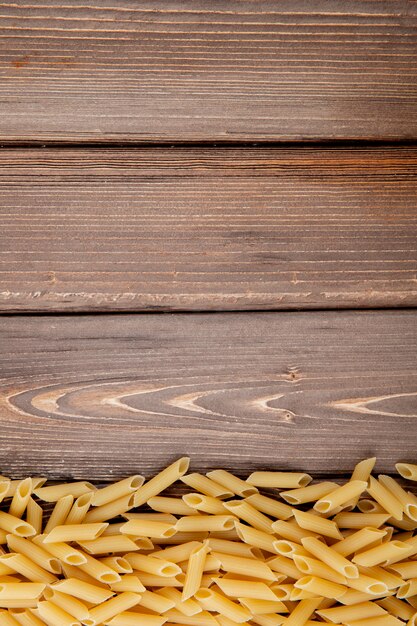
x: 208, y: 235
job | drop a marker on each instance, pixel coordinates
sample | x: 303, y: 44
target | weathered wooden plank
x: 214, y: 229
x: 102, y: 396
x: 227, y: 70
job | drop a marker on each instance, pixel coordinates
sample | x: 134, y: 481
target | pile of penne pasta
x: 297, y: 554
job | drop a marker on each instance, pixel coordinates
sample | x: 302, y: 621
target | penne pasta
x: 232, y: 483
x: 195, y: 570
x: 21, y: 498
x: 270, y: 506
x: 385, y: 498
x: 213, y: 601
x: 79, y: 509
x: 236, y: 588
x: 117, y: 490
x: 148, y: 528
x: 74, y: 532
x: 330, y: 557
x: 317, y: 524
x: 175, y: 506
x: 407, y: 470
x: 82, y: 590
x: 245, y: 511
x: 53, y: 493
x: 60, y: 513
x: 161, y: 481
x: 312, y: 493
x: 279, y: 480
x: 105, y: 611
x: 207, y: 504
x: 340, y: 496
x: 205, y: 485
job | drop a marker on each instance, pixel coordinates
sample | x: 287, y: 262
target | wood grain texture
x: 219, y: 71
x: 103, y: 396
x: 214, y: 229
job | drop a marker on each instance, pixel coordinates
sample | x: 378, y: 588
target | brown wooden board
x: 102, y: 396
x: 207, y: 229
x: 196, y: 71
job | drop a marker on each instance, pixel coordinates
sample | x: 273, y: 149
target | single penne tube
x: 15, y: 525
x: 53, y: 614
x: 209, y: 523
x: 279, y: 480
x: 21, y: 591
x: 361, y: 520
x: 148, y: 528
x: 207, y: 504
x: 284, y: 565
x: 18, y: 604
x: 290, y: 531
x: 362, y: 471
x: 62, y: 551
x: 245, y: 511
x: 282, y: 590
x: 71, y: 571
x: 37, y: 482
x: 320, y: 587
x: 271, y: 507
x: 391, y: 580
x: 406, y: 569
x: 381, y: 554
x: 407, y: 499
x: 129, y: 618
x: 177, y: 554
x: 207, y: 486
x: 161, y: 481
x: 34, y: 515
x: 352, y: 596
x: 72, y: 606
x: 340, y: 496
x: 53, y: 493
x: 153, y: 580
x: 245, y: 589
x: 75, y: 532
x: 118, y: 563
x: 60, y: 513
x: 98, y: 570
x: 301, y: 613
x: 312, y: 493
x: 358, y: 540
x: 340, y: 614
x: 213, y: 601
x: 230, y: 535
x: 129, y: 582
x: 261, y: 607
x: 211, y: 564
x: 407, y: 590
x: 242, y: 565
x: 152, y: 565
x: 105, y: 611
x: 234, y: 547
x: 117, y: 490
x: 21, y: 498
x: 188, y: 607
x: 331, y: 558
x: 175, y: 506
x: 111, y: 510
x: 366, y: 505
x: 26, y: 618
x: 195, y: 570
x: 38, y: 555
x: 383, y: 620
x: 317, y: 524
x: 84, y: 591
x: 232, y: 483
x: 104, y: 545
x: 288, y: 548
x: 397, y: 607
x: 407, y: 470
x: 385, y: 498
x: 156, y: 602
x: 79, y: 509
x: 313, y: 567
x: 256, y: 538
x: 367, y: 584
x: 26, y: 567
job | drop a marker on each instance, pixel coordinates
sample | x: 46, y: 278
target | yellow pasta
x: 232, y: 483
x: 21, y: 498
x: 312, y: 493
x: 279, y: 480
x: 407, y: 470
x: 219, y: 556
x: 385, y: 498
x: 340, y: 496
x: 206, y: 504
x: 60, y: 513
x: 195, y: 570
x: 213, y: 601
x: 54, y: 492
x: 271, y: 507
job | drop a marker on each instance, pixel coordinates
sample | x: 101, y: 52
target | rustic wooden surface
x: 103, y: 395
x: 219, y: 71
x: 206, y: 229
